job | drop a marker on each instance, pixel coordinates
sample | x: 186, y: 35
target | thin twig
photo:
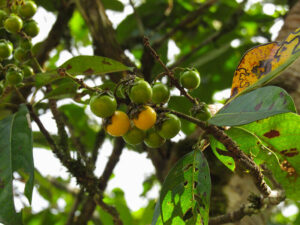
x: 169, y: 73
x: 190, y: 18
x: 89, y: 206
x: 110, y: 209
x: 63, y: 136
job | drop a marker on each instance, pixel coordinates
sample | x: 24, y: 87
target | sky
x: 133, y: 167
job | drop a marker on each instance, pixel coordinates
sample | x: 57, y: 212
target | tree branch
x: 251, y: 208
x: 89, y: 206
x: 56, y: 32
x: 238, y: 155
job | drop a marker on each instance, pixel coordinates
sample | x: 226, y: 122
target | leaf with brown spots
x: 88, y: 65
x: 272, y: 134
x: 185, y: 193
x: 263, y: 63
x: 280, y: 133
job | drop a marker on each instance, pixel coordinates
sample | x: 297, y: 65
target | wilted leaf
x: 185, y: 194
x: 15, y: 155
x: 255, y: 105
x: 263, y: 63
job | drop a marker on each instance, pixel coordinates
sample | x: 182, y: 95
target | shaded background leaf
x: 15, y: 155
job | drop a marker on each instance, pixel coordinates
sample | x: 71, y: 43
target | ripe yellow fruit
x: 119, y: 124
x: 146, y: 118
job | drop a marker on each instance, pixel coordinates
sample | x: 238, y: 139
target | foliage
x: 264, y: 127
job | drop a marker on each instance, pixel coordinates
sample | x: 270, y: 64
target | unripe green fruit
x: 153, y: 139
x: 140, y: 92
x: 103, y: 105
x: 190, y: 79
x: 36, y: 48
x: 134, y: 136
x: 13, y: 24
x: 6, y: 49
x: 3, y: 16
x: 21, y: 54
x: 14, y: 76
x: 201, y: 111
x: 160, y: 93
x: 170, y: 127
x: 27, y: 71
x: 26, y: 44
x: 31, y: 28
x: 28, y: 9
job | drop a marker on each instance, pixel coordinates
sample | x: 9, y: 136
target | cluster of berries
x: 141, y: 123
x: 17, y: 24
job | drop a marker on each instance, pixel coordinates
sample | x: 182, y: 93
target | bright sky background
x: 132, y: 168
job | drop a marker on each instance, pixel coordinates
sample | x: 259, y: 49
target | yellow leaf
x: 261, y: 60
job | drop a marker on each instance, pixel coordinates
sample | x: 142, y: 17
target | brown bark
x: 290, y: 78
x: 103, y: 34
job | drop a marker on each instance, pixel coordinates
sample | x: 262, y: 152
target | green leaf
x: 88, y: 65
x: 256, y: 105
x: 15, y: 155
x: 64, y: 90
x: 113, y: 5
x: 280, y: 134
x: 247, y: 142
x: 81, y: 124
x: 185, y: 194
x: 273, y: 141
x: 42, y: 79
x: 39, y: 140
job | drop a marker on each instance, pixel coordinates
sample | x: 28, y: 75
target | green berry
x: 140, y: 92
x: 153, y: 139
x: 3, y: 16
x: 28, y: 9
x: 25, y: 44
x: 6, y: 49
x: 160, y: 93
x: 170, y: 126
x: 31, y: 28
x: 21, y: 54
x: 103, y: 105
x: 134, y: 136
x: 14, y: 76
x: 13, y: 24
x: 190, y: 79
x: 27, y: 71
